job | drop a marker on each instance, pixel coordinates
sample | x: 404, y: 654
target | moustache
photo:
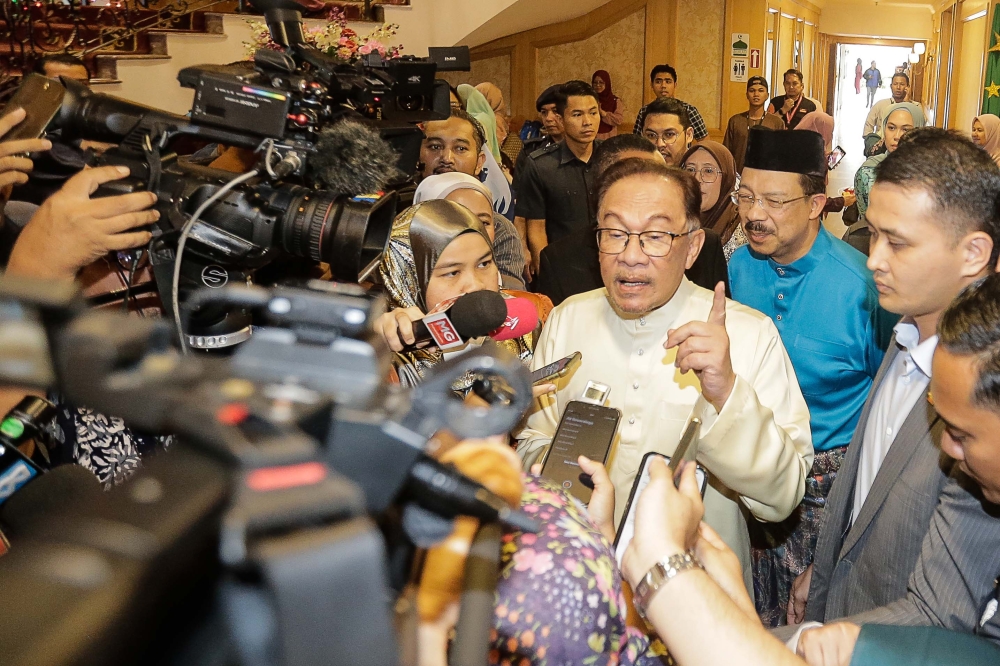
x: 757, y: 227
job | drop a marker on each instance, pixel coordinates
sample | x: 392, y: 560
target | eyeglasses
x: 668, y: 137
x: 652, y: 243
x: 746, y: 201
x: 708, y: 174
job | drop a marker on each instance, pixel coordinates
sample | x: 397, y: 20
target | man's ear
x: 694, y: 247
x: 689, y: 133
x: 481, y: 161
x: 977, y: 250
x: 817, y: 203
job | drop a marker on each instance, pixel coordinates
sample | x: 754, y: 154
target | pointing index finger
x: 717, y: 315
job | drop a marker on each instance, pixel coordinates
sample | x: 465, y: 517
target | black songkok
x: 792, y: 151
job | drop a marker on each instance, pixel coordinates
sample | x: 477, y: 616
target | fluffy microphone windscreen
x: 521, y: 319
x: 351, y: 158
x: 475, y: 315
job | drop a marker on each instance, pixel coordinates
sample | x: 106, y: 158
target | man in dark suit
x: 570, y: 265
x: 925, y: 221
x: 955, y: 583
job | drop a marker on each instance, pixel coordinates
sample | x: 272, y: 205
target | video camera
x: 254, y: 541
x: 331, y: 139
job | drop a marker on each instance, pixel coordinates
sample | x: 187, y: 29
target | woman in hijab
x: 612, y: 108
x: 714, y: 168
x: 495, y: 177
x: 460, y: 188
x: 986, y: 134
x: 905, y: 116
x: 495, y: 99
x: 822, y: 124
x: 438, y: 250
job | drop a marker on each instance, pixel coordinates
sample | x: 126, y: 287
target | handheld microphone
x: 469, y: 316
x: 522, y: 318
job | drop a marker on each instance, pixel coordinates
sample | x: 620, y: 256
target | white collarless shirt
x: 905, y: 383
x: 757, y: 451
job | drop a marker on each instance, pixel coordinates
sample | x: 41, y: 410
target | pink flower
x: 569, y: 564
x: 528, y: 539
x: 527, y: 559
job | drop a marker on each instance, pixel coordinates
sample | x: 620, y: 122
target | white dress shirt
x: 757, y: 451
x: 905, y: 383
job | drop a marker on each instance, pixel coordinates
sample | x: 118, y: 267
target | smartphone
x: 560, y: 368
x: 584, y: 430
x: 687, y: 448
x: 833, y: 159
x: 41, y: 98
x: 626, y: 529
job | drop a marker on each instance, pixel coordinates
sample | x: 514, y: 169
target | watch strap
x: 659, y: 574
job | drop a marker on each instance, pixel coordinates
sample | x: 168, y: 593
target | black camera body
x: 331, y: 140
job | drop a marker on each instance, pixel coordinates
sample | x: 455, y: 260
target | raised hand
x: 703, y: 347
x: 666, y: 519
x: 14, y: 166
x: 70, y: 230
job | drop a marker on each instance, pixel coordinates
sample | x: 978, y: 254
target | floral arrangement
x: 334, y: 38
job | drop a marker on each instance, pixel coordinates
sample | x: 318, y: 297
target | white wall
x: 868, y: 20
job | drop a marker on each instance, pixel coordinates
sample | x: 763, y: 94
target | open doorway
x: 851, y: 106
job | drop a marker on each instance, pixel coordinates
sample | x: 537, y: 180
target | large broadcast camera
x: 268, y: 535
x: 331, y: 139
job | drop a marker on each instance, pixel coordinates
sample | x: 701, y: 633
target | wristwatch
x: 659, y: 574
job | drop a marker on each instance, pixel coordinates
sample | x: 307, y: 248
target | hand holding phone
x: 556, y: 370
x: 587, y: 430
x: 14, y: 165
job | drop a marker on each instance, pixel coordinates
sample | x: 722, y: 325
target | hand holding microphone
x: 456, y: 321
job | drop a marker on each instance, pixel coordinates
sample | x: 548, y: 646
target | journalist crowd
x: 843, y: 503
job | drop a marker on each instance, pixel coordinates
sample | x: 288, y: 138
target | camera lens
x: 349, y: 233
x: 410, y: 102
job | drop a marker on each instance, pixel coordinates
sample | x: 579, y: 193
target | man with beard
x: 824, y: 303
x: 670, y: 350
x: 668, y: 127
x: 459, y: 145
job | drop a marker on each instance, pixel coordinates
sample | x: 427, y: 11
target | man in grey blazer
x: 935, y: 229
x: 955, y: 583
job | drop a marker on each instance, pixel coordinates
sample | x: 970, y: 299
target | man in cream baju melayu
x: 670, y: 351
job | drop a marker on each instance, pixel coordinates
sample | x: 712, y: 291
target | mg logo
x: 214, y: 276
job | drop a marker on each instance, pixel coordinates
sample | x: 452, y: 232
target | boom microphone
x: 352, y: 158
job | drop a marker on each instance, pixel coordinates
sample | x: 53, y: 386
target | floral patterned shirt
x: 560, y: 598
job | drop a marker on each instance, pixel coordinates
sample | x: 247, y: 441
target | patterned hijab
x: 722, y: 217
x: 419, y: 235
x: 991, y: 145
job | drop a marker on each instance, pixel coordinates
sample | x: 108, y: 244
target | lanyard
x: 790, y: 115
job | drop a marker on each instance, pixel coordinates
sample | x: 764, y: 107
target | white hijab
x: 441, y: 185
